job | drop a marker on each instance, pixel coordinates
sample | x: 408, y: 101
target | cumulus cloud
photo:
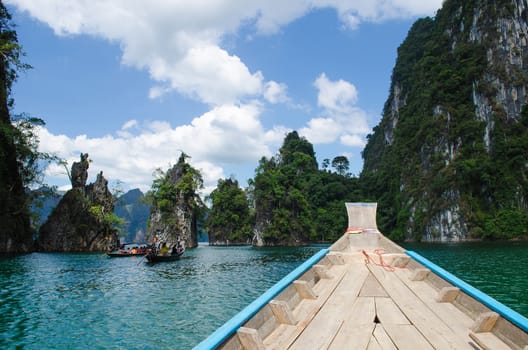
x: 180, y: 42
x: 275, y: 92
x: 335, y: 96
x: 352, y: 140
x: 341, y: 119
x: 225, y: 135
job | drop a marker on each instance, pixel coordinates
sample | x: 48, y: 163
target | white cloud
x: 228, y: 134
x: 353, y: 13
x: 352, y: 140
x: 335, y: 96
x: 321, y: 130
x: 341, y: 118
x: 275, y: 92
x: 179, y: 42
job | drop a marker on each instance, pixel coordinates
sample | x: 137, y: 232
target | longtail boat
x: 366, y: 292
x: 128, y: 249
x: 153, y: 256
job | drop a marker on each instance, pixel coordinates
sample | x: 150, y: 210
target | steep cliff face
x: 448, y: 160
x: 79, y: 222
x: 174, y: 210
x: 16, y: 235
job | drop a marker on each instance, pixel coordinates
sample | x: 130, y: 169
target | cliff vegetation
x: 449, y: 159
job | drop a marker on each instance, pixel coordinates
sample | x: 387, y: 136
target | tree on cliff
x: 295, y: 202
x: 280, y: 187
x: 15, y: 230
x: 229, y: 220
x: 175, y: 204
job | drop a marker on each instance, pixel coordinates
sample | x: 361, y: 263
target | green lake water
x: 90, y: 301
x: 499, y: 269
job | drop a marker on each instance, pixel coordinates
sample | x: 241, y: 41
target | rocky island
x: 80, y: 222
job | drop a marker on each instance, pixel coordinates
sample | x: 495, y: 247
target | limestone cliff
x: 79, y: 222
x: 448, y: 160
x: 175, y: 205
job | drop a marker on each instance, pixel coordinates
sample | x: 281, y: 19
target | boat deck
x: 366, y: 293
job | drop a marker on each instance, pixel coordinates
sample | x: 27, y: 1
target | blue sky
x: 133, y: 83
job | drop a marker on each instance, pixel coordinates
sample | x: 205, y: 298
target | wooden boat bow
x: 366, y: 292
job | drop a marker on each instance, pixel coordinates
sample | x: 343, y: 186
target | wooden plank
x: 263, y: 321
x: 383, y: 338
x: 357, y: 328
x: 418, y: 313
x: 373, y: 344
x: 406, y: 336
x: 372, y: 288
x: 452, y: 316
x: 485, y: 322
x: 250, y: 338
x: 284, y: 335
x: 488, y: 341
x: 335, y: 258
x: 282, y: 312
x: 304, y: 289
x: 356, y: 337
x: 401, y: 261
x: 388, y: 312
x: 329, y: 319
x: 447, y: 294
x: 419, y: 274
x: 321, y: 271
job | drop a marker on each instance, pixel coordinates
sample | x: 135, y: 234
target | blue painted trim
x: 509, y: 314
x: 231, y: 326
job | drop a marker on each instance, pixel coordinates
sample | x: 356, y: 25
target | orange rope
x: 379, y: 253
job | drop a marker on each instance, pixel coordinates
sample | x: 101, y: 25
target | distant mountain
x: 448, y: 161
x: 47, y: 200
x: 131, y: 207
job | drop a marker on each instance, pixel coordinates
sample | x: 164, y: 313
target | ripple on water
x: 64, y: 301
x: 499, y: 269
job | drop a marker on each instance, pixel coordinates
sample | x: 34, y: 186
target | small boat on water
x: 155, y: 256
x: 366, y: 292
x: 128, y: 249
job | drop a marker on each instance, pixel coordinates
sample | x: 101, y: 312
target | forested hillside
x: 449, y: 159
x: 290, y: 201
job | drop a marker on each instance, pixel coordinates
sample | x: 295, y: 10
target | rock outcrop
x: 173, y: 213
x: 79, y: 222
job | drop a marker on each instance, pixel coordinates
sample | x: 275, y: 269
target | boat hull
x: 367, y: 292
x: 123, y: 255
x: 163, y: 258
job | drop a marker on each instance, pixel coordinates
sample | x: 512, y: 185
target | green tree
x: 175, y: 192
x: 297, y: 203
x: 341, y: 165
x: 229, y: 219
x: 15, y: 230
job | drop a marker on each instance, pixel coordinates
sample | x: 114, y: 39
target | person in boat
x: 164, y: 250
x: 177, y: 248
x: 155, y: 248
